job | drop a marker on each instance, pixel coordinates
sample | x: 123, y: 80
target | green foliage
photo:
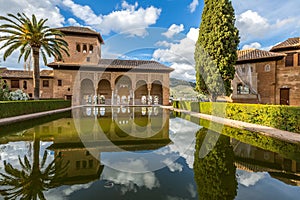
x: 31, y: 36
x: 15, y: 108
x: 215, y: 52
x: 4, y: 91
x: 277, y: 116
x: 214, y: 170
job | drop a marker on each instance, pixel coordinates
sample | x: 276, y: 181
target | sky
x: 165, y: 30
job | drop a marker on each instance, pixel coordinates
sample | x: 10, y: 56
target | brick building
x: 269, y: 77
x: 85, y: 77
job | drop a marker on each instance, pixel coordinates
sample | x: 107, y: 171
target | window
x: 45, y: 83
x: 298, y: 59
x: 78, y: 47
x: 25, y: 85
x: 289, y: 60
x: 84, y: 164
x: 4, y: 84
x: 14, y: 83
x: 77, y: 164
x: 91, y: 163
x: 59, y: 82
x: 88, y: 59
x: 267, y: 68
x: 87, y: 153
x: 84, y: 48
x: 243, y: 89
x: 91, y: 49
x: 59, y: 130
x: 30, y: 95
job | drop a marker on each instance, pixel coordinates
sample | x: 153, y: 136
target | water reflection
x: 215, y: 173
x: 110, y: 162
x: 31, y: 179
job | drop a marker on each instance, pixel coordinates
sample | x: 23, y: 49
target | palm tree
x: 31, y: 180
x: 32, y: 36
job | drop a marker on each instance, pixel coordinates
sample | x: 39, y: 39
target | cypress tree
x: 215, y: 53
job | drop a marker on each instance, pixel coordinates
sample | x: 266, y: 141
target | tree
x: 215, y: 53
x: 33, y: 37
x: 214, y: 166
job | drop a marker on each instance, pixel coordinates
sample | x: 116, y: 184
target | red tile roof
x: 116, y: 64
x: 80, y: 30
x: 6, y: 73
x: 289, y: 43
x: 256, y: 54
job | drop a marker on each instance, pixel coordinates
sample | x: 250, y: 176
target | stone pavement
x: 10, y: 120
x: 264, y: 130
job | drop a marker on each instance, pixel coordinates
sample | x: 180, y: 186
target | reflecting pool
x: 142, y: 153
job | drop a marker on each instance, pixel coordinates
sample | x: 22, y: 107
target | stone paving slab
x: 264, y: 130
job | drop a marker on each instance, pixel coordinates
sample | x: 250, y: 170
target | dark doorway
x: 284, y: 96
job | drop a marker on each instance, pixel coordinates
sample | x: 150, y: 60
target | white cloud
x: 73, y: 22
x: 163, y: 44
x: 193, y: 5
x: 262, y: 23
x: 42, y: 9
x: 254, y: 45
x: 173, y: 30
x: 130, y: 19
x: 172, y: 165
x: 180, y: 55
x: 248, y: 178
x: 131, y: 181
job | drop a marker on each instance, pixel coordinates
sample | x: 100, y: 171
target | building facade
x: 269, y: 77
x: 86, y: 78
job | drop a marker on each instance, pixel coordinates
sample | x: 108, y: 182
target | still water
x: 142, y: 153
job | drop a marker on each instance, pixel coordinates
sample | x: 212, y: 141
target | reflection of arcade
x: 254, y: 159
x: 122, y: 129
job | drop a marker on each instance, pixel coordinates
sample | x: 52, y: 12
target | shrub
x: 18, y: 95
x: 15, y: 108
x: 277, y: 116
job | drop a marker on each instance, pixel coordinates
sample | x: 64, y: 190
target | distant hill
x: 182, y: 89
x: 175, y: 82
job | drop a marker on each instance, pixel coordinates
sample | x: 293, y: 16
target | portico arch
x: 141, y: 92
x: 104, y: 92
x: 123, y: 85
x: 86, y: 91
x: 156, y: 92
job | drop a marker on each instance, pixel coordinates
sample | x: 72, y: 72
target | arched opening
x: 84, y: 48
x: 78, y: 48
x: 87, y: 91
x: 123, y: 90
x: 243, y: 89
x: 4, y: 86
x: 91, y: 49
x: 104, y: 92
x: 140, y: 93
x: 25, y: 85
x: 156, y: 93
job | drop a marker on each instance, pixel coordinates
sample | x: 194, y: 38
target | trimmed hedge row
x: 15, y: 108
x: 277, y: 116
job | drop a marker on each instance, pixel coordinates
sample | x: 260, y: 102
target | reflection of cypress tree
x: 215, y: 173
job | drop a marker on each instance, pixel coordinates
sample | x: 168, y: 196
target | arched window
x: 4, y: 84
x: 91, y: 49
x: 25, y: 85
x: 78, y: 48
x: 243, y: 89
x: 84, y: 48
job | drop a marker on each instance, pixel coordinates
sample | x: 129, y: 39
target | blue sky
x: 164, y: 30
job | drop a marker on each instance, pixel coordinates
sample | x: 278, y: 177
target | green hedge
x: 277, y: 116
x: 15, y: 108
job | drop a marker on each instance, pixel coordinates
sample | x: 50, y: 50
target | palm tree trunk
x: 36, y: 72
